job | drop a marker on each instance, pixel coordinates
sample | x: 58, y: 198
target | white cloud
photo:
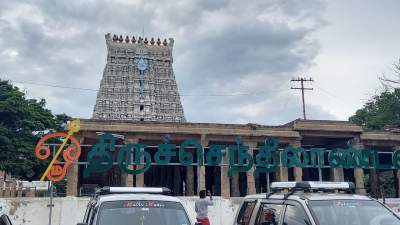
x: 221, y: 47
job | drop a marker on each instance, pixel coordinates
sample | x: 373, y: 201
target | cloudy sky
x: 233, y: 59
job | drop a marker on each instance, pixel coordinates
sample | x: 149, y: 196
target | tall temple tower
x: 138, y: 82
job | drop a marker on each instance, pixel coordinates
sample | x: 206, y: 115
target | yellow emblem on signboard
x: 57, y: 171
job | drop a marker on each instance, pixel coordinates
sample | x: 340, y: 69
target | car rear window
x: 352, y: 212
x: 142, y: 213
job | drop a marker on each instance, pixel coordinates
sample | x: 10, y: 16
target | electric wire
x: 185, y: 95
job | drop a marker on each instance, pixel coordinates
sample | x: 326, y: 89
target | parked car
x: 139, y: 206
x: 313, y: 203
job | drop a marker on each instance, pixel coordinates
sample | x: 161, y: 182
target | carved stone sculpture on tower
x: 138, y: 82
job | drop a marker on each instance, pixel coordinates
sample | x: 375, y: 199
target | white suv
x: 313, y: 203
x: 139, y: 206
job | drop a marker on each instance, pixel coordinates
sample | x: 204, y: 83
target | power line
x: 53, y: 85
x: 185, y: 95
x: 302, y: 88
x: 333, y: 96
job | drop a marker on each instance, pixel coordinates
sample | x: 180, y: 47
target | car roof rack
x: 132, y: 190
x: 310, y: 186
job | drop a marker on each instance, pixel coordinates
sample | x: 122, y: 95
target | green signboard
x: 267, y: 158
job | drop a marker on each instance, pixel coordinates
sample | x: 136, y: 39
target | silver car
x: 313, y: 203
x: 139, y: 206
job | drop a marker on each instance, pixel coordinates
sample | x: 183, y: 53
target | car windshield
x: 352, y: 212
x: 142, y: 213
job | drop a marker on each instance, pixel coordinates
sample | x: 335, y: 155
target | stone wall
x: 70, y: 210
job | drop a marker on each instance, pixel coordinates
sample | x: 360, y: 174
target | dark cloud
x: 222, y: 47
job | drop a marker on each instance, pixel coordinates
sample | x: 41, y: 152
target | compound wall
x: 70, y: 210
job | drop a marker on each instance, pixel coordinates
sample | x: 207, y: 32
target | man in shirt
x: 201, y: 207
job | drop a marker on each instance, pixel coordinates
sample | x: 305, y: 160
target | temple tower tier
x: 138, y: 81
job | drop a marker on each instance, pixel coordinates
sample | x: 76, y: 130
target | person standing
x: 201, y: 207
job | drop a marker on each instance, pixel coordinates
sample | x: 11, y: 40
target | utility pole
x: 302, y: 88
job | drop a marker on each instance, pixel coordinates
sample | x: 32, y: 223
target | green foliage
x: 22, y: 120
x: 381, y: 111
x: 386, y: 181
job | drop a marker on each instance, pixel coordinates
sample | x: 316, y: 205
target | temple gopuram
x: 138, y: 82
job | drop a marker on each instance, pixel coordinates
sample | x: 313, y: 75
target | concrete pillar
x: 397, y: 172
x: 13, y: 188
x: 177, y: 181
x: 297, y: 172
x: 359, y: 178
x: 201, y: 170
x: 234, y: 178
x: 72, y: 180
x: 126, y: 178
x: 373, y: 180
x: 19, y: 189
x: 190, y: 177
x: 72, y: 176
x: 190, y: 181
x: 1, y: 185
x: 7, y: 192
x: 281, y: 172
x: 225, y: 181
x: 251, y: 184
x: 337, y: 174
x: 139, y: 177
x: 235, y: 184
x: 359, y: 172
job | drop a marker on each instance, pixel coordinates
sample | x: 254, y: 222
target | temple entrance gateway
x: 224, y: 178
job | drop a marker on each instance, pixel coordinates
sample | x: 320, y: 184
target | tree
x: 393, y: 81
x: 381, y: 111
x: 386, y: 180
x: 22, y: 121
